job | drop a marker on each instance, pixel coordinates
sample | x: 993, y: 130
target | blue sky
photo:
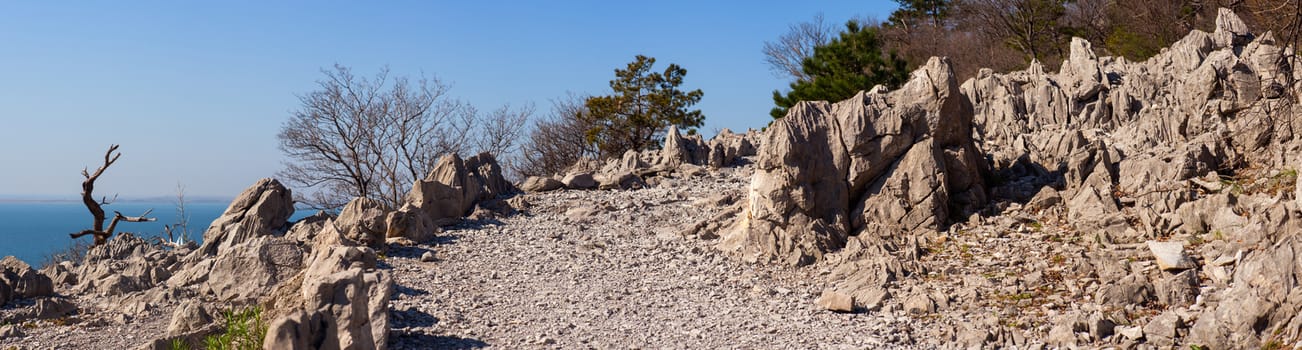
x: 195, y: 92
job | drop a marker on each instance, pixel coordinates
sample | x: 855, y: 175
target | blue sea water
x: 33, y: 230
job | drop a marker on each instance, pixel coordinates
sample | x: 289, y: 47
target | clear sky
x: 195, y: 92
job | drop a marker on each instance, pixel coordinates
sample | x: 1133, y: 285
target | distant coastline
x: 158, y: 199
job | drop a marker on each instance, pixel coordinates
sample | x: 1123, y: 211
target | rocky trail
x: 608, y: 269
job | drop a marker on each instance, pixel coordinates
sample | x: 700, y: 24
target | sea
x: 34, y: 230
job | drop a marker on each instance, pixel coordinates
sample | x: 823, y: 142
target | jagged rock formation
x: 682, y: 155
x: 19, y: 280
x: 880, y: 164
x: 1196, y: 144
x: 261, y: 210
x: 339, y: 301
x: 1198, y: 141
x: 451, y: 191
x: 361, y: 222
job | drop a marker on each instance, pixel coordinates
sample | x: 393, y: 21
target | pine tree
x: 841, y: 68
x: 643, y: 105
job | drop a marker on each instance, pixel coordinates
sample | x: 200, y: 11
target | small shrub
x: 74, y: 252
x: 179, y: 344
x: 245, y: 330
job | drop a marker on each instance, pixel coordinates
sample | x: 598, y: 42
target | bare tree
x: 500, y: 135
x: 178, y: 233
x: 96, y: 208
x: 1029, y: 26
x: 359, y: 137
x: 557, y: 141
x: 785, y: 56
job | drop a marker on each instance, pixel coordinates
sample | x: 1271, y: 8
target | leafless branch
x: 785, y: 56
x: 96, y: 207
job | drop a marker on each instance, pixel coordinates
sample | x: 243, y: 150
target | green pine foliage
x: 643, y: 104
x: 853, y: 62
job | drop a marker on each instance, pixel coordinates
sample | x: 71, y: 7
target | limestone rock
x: 485, y: 167
x: 1132, y: 289
x: 1170, y: 255
x: 622, y: 181
x: 61, y: 273
x: 363, y: 221
x: 411, y: 225
x: 1161, y: 331
x: 913, y: 197
x: 727, y: 148
x: 835, y: 301
x: 448, y: 192
x: 1131, y: 332
x: 339, y: 301
x: 1297, y: 193
x: 1179, y: 289
x: 675, y: 150
x: 451, y: 191
x: 878, y: 162
x: 125, y: 264
x: 919, y: 304
x: 261, y: 210
x: 1045, y: 199
x: 798, y: 200
x: 22, y: 280
x: 1081, y: 74
x: 188, y: 317
x: 249, y: 270
x: 50, y: 307
x: 579, y: 181
x: 535, y: 184
x: 10, y: 331
x: 1230, y: 29
x: 6, y: 293
x: 300, y: 330
x: 305, y: 229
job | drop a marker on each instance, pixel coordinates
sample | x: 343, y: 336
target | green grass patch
x: 245, y: 330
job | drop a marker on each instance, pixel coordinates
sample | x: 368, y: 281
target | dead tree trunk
x: 96, y: 208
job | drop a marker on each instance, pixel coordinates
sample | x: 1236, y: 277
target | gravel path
x: 607, y: 269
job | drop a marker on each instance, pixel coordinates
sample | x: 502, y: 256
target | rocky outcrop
x: 362, y: 221
x: 188, y: 317
x: 535, y: 184
x: 19, y: 280
x: 798, y: 204
x: 579, y: 181
x: 679, y: 156
x: 261, y: 210
x: 451, y: 191
x: 678, y: 150
x: 125, y: 264
x: 305, y: 229
x: 250, y: 269
x: 879, y: 163
x: 340, y: 301
x: 1125, y: 141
